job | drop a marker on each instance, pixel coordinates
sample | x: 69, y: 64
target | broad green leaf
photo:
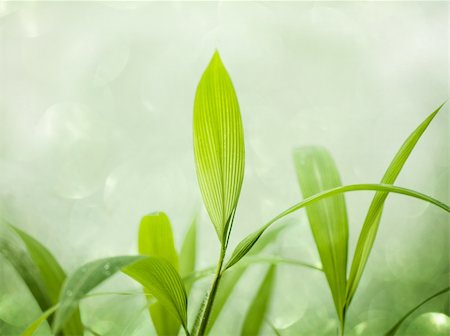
x: 48, y: 278
x: 83, y: 280
x: 255, y: 316
x: 397, y: 326
x: 231, y: 277
x: 188, y: 252
x: 218, y: 146
x: 7, y: 328
x: 316, y: 172
x: 248, y: 242
x: 156, y: 240
x: 371, y: 223
x: 163, y: 281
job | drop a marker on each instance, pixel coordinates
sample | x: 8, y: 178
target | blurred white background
x: 96, y: 115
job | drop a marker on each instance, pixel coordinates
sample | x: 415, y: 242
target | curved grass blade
x: 273, y: 260
x: 371, y: 223
x: 28, y: 272
x: 31, y: 329
x: 397, y: 326
x: 248, y: 242
x: 156, y: 240
x: 49, y: 277
x: 232, y: 277
x: 248, y: 261
x: 188, y: 252
x: 255, y: 316
x: 36, y: 323
x: 50, y: 270
x: 163, y: 281
x: 316, y: 172
x: 218, y: 145
x: 83, y: 280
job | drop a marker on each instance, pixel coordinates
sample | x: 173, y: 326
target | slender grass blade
x: 372, y: 221
x: 255, y: 316
x: 33, y: 327
x: 248, y: 242
x: 46, y: 280
x: 397, y: 326
x: 83, y: 280
x: 231, y: 277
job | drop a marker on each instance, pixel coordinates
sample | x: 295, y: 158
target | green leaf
x: 218, y: 146
x: 248, y: 261
x: 156, y: 239
x: 163, y: 281
x: 188, y: 252
x: 274, y: 260
x: 316, y: 172
x: 83, y: 280
x: 248, y: 242
x: 33, y: 327
x: 47, y: 278
x: 256, y: 313
x: 8, y: 328
x: 50, y: 270
x: 370, y: 227
x: 231, y: 277
x: 397, y: 326
x: 27, y: 270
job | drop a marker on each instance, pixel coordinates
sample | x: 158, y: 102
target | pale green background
x: 96, y: 131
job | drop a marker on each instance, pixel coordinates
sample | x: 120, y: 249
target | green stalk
x: 200, y: 331
x: 342, y: 321
x: 342, y: 328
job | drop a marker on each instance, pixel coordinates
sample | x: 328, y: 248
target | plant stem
x: 212, y: 294
x: 342, y: 328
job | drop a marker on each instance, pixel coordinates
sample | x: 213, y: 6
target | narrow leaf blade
x: 397, y: 326
x: 49, y: 278
x: 255, y: 316
x: 83, y: 280
x: 316, y: 172
x: 218, y: 145
x: 33, y: 327
x: 371, y: 223
x: 248, y: 242
x: 231, y: 277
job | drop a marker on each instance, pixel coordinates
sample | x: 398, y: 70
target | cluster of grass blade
x: 167, y: 275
